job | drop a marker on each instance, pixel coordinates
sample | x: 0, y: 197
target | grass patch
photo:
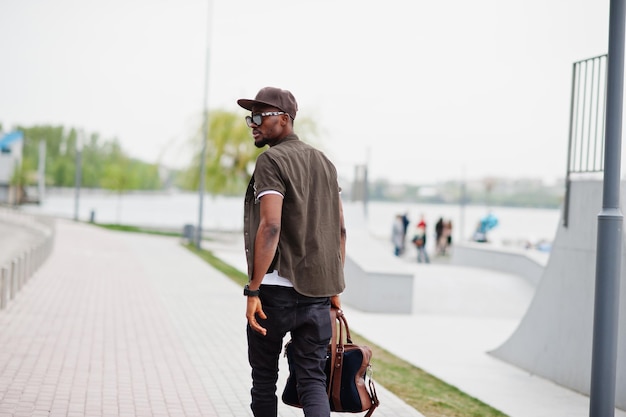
x: 228, y: 270
x: 135, y: 229
x: 424, y: 392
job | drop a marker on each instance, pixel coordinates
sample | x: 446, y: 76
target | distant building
x: 11, y: 146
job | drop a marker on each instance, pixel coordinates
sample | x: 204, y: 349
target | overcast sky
x: 421, y: 90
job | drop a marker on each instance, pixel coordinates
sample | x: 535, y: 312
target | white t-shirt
x: 272, y: 278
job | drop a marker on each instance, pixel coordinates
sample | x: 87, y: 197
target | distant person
x: 419, y: 240
x: 405, y: 227
x: 448, y: 229
x: 397, y: 235
x: 295, y: 248
x: 445, y: 239
x: 485, y: 224
x: 438, y: 233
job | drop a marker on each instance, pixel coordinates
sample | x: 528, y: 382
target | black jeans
x: 308, y: 320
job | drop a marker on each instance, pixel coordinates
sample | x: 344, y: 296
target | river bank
x: 174, y: 210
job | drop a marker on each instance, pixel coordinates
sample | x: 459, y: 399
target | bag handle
x: 334, y: 312
x: 337, y: 350
x: 374, y: 396
x: 343, y: 325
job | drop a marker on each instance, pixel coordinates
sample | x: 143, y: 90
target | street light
x: 610, y: 223
x: 78, y: 170
x: 41, y: 171
x: 205, y: 129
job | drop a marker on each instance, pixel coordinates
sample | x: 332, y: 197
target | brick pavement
x: 14, y: 239
x: 89, y: 336
x: 119, y: 324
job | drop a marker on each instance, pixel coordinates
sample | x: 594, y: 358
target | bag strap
x: 374, y: 396
x: 344, y: 325
x: 337, y: 350
x: 333, y: 348
x: 337, y: 361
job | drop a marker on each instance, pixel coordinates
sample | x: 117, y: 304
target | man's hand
x: 335, y: 302
x: 254, y: 307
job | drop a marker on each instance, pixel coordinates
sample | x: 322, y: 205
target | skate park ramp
x: 554, y: 338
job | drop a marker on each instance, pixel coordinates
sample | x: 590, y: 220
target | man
x: 295, y: 247
x: 420, y: 241
x: 405, y: 228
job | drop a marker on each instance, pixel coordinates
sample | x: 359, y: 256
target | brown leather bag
x: 348, y: 373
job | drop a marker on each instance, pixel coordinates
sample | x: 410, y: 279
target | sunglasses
x: 257, y: 118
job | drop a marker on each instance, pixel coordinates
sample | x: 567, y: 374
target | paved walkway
x: 14, y: 240
x: 120, y: 324
x: 459, y: 315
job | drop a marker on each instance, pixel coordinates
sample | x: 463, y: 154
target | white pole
x: 78, y: 171
x: 205, y: 127
x: 41, y: 171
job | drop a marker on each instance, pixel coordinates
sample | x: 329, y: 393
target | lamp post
x: 41, y: 171
x: 205, y: 128
x: 78, y: 171
x: 610, y: 222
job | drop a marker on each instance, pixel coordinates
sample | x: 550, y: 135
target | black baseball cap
x: 274, y: 97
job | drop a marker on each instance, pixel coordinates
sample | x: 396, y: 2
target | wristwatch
x: 250, y: 293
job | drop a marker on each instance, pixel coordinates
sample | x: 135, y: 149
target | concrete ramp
x: 554, y: 339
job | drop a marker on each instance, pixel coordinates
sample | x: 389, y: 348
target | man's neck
x: 279, y: 140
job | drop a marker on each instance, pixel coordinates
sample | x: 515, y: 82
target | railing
x: 16, y: 272
x: 585, y: 149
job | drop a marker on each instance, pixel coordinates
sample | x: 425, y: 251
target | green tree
x: 230, y: 153
x: 147, y: 175
x: 97, y: 154
x: 117, y: 175
x: 94, y: 157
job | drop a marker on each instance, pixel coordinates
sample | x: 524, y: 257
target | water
x: 516, y: 226
x: 168, y: 210
x: 172, y: 210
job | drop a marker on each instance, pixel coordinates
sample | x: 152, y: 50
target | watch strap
x: 250, y: 293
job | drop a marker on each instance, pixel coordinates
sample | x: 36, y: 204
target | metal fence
x: 585, y: 151
x: 16, y: 272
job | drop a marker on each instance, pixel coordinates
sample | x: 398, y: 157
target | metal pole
x: 78, y: 171
x: 366, y: 186
x: 569, y: 146
x: 610, y: 219
x: 205, y: 129
x: 41, y: 171
x: 462, y: 203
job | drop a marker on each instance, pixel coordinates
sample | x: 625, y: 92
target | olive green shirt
x: 309, y: 248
